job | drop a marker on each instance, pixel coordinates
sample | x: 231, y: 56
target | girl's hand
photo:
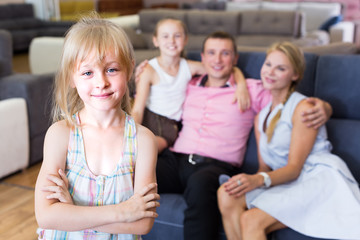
x: 139, y: 70
x: 60, y: 191
x: 242, y: 97
x: 242, y: 183
x: 140, y: 205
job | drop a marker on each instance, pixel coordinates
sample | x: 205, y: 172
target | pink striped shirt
x: 213, y: 126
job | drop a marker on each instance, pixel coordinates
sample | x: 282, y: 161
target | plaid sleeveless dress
x: 88, y: 189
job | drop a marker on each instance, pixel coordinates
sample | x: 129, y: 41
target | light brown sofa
x: 253, y: 30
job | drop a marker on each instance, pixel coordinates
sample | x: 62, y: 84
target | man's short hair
x: 220, y: 35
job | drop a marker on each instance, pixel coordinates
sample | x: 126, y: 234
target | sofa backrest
x: 6, y: 53
x: 204, y: 22
x: 286, y: 23
x: 275, y: 25
x: 338, y: 82
x: 15, y: 11
x: 315, y: 13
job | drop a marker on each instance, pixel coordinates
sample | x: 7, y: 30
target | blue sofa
x: 335, y: 79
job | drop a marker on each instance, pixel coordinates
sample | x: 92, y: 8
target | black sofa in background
x: 20, y: 21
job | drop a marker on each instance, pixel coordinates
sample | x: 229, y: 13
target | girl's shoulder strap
x: 130, y: 138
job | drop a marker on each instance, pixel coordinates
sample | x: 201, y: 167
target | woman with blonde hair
x: 299, y: 184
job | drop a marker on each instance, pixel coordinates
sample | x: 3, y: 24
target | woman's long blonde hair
x: 297, y: 61
x: 91, y: 34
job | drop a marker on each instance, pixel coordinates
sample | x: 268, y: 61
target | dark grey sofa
x: 35, y: 89
x: 334, y: 78
x: 20, y: 21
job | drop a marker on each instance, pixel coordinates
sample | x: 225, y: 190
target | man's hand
x: 317, y: 115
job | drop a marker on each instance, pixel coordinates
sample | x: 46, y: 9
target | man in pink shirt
x: 213, y: 137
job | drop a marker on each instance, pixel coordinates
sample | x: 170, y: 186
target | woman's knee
x: 251, y: 221
x: 226, y: 202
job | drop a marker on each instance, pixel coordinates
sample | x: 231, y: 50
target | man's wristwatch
x: 267, y: 179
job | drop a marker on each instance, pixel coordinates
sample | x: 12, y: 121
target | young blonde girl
x: 87, y: 187
x: 300, y: 184
x: 161, y: 89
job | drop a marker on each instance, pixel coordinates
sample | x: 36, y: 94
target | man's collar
x: 205, y: 78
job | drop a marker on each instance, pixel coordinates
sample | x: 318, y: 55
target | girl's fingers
x: 63, y: 177
x: 152, y: 204
x: 147, y: 188
x: 55, y: 179
x: 151, y: 197
x: 51, y: 189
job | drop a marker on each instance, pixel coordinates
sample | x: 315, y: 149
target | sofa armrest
x: 14, y: 137
x: 342, y: 32
x: 36, y: 90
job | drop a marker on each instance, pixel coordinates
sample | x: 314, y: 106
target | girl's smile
x: 101, y: 84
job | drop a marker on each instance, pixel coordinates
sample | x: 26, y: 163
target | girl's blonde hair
x: 90, y: 35
x: 297, y: 61
x: 160, y: 22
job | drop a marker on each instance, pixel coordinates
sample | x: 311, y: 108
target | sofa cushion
x: 206, y: 22
x: 339, y: 88
x: 208, y: 5
x: 341, y: 48
x: 270, y: 22
x: 344, y: 136
x: 136, y: 40
x: 28, y: 23
x: 25, y: 10
x: 169, y: 224
x: 260, y: 40
x: 150, y: 17
x: 9, y: 24
x: 242, y: 6
x: 5, y: 12
x: 195, y: 42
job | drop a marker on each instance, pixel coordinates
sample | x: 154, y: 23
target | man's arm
x: 318, y: 115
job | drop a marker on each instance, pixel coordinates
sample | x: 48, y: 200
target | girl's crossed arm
x: 118, y: 218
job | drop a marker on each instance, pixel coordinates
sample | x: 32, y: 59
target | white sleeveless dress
x: 324, y: 201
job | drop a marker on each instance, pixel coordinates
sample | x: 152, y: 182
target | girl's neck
x: 101, y: 119
x: 169, y: 60
x: 169, y: 64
